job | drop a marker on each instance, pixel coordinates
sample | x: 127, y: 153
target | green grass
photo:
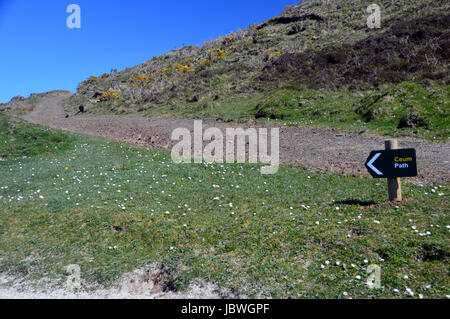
x: 19, y: 139
x: 267, y: 244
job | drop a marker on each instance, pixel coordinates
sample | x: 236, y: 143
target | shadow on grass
x: 354, y: 202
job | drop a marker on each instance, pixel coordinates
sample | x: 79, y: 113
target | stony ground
x: 319, y: 148
x: 139, y: 284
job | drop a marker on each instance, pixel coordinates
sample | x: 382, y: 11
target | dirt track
x: 322, y: 149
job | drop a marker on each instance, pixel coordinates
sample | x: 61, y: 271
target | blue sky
x: 39, y: 53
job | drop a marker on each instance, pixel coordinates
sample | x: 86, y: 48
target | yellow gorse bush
x: 269, y: 53
x: 95, y: 79
x: 204, y: 62
x: 142, y: 77
x: 257, y: 34
x: 111, y: 95
x: 164, y: 71
x: 142, y: 80
x: 179, y: 67
x: 218, y: 54
x: 228, y: 39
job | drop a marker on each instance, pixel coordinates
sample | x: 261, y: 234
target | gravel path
x: 319, y: 148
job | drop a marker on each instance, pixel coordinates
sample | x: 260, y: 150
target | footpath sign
x: 393, y: 163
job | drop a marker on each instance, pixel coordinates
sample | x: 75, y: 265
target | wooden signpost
x: 393, y: 163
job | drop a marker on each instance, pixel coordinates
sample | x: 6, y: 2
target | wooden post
x: 394, y: 184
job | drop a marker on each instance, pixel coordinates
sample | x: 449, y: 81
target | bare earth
x: 140, y: 284
x: 319, y: 148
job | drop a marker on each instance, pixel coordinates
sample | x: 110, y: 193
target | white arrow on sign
x: 370, y: 164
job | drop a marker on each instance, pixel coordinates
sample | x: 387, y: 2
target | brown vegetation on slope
x: 409, y: 51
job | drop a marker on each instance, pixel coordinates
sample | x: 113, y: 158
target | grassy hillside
x: 112, y: 208
x: 395, y: 110
x: 317, y: 45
